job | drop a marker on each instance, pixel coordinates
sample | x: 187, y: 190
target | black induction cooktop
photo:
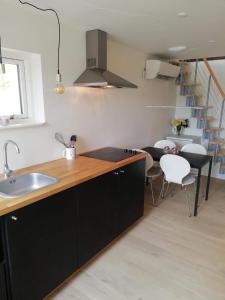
x: 111, y: 154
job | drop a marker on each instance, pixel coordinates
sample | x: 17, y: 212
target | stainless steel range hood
x: 96, y: 74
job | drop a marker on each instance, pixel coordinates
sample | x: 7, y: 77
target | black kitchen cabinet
x: 130, y: 194
x: 107, y: 205
x: 42, y: 245
x: 96, y: 217
x: 3, y: 295
x: 47, y: 241
x: 3, y: 292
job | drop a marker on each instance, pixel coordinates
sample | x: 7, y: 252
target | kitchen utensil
x: 73, y: 140
x: 60, y: 139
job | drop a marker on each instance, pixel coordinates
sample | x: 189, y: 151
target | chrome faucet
x: 7, y: 171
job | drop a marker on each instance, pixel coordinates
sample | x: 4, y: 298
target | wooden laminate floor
x: 165, y: 256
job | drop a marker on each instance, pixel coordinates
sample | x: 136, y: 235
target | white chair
x: 197, y: 149
x: 194, y: 148
x: 162, y: 144
x: 151, y: 172
x: 176, y: 170
x: 165, y: 143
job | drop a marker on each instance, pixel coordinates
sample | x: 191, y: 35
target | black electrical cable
x: 59, y: 26
x: 0, y: 50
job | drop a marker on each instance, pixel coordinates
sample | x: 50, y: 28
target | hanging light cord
x: 59, y: 26
x: 0, y: 50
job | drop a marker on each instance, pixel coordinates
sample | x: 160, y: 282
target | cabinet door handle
x: 122, y: 171
x: 14, y: 218
x: 116, y: 173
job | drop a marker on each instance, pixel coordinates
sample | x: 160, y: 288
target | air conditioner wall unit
x: 160, y: 69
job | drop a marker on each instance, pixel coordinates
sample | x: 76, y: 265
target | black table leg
x: 208, y: 181
x: 197, y: 192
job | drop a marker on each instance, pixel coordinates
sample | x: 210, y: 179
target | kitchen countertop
x: 69, y: 173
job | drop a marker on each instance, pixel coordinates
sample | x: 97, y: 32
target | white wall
x: 116, y: 117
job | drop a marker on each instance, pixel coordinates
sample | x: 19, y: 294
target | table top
x: 196, y: 161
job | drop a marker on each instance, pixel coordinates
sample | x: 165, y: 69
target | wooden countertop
x: 69, y: 172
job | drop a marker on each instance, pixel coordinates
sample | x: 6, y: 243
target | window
x: 21, y: 90
x: 13, y: 90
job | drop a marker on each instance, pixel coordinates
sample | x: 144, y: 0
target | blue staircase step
x: 191, y: 101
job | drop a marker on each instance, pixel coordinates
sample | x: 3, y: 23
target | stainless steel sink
x: 21, y: 185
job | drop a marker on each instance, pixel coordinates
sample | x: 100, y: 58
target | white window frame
x: 22, y: 86
x: 31, y: 87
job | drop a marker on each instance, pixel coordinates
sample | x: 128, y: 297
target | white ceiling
x: 152, y: 25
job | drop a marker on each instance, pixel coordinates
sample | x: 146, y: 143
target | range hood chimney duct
x: 96, y: 74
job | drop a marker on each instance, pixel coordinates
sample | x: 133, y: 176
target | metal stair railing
x: 214, y: 98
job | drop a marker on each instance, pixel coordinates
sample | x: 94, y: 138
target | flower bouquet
x: 178, y: 124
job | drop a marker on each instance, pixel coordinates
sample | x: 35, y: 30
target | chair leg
x: 167, y: 188
x: 152, y: 191
x: 173, y: 191
x: 161, y: 194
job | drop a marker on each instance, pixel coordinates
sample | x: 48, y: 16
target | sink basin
x: 21, y: 185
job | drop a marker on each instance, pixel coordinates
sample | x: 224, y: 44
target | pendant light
x: 2, y: 66
x: 59, y: 89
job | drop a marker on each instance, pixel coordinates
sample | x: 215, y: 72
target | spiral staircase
x: 204, y: 95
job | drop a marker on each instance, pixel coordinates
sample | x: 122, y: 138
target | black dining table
x: 196, y: 161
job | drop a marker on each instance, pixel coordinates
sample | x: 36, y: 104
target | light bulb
x: 2, y: 66
x: 59, y: 89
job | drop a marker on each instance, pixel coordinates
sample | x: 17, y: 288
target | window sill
x: 23, y: 124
